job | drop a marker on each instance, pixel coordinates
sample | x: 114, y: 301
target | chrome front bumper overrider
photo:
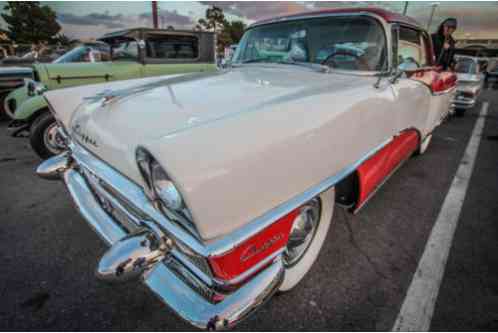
x: 169, y: 279
x: 466, y: 103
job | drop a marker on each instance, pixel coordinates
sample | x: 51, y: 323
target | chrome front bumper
x: 466, y: 103
x: 460, y: 102
x: 170, y: 279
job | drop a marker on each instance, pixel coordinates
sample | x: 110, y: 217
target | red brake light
x: 246, y: 255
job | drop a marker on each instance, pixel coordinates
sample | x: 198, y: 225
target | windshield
x: 84, y: 54
x: 346, y: 43
x: 467, y: 66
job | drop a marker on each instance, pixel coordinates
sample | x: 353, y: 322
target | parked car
x: 470, y: 83
x: 492, y: 70
x: 218, y: 189
x: 135, y: 53
x: 12, y: 78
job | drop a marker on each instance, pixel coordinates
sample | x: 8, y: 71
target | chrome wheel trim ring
x: 51, y: 139
x: 302, y: 232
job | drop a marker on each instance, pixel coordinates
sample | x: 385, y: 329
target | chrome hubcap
x: 302, y: 232
x: 52, y: 139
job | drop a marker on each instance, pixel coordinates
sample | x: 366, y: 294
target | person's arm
x: 437, y: 48
x: 451, y: 57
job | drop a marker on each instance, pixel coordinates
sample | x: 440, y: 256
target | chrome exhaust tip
x: 53, y: 167
x: 129, y: 258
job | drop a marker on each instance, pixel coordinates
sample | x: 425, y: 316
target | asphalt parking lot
x: 48, y: 253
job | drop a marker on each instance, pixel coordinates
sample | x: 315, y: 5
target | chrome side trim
x: 137, y: 199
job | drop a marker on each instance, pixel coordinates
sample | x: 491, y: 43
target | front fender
x: 29, y: 107
x: 15, y: 98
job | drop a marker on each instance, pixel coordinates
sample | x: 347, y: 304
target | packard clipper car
x: 218, y: 189
x: 470, y: 83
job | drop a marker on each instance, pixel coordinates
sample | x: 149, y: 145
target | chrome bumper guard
x: 463, y: 103
x: 169, y: 278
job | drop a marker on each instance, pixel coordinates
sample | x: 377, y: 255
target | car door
x: 412, y: 92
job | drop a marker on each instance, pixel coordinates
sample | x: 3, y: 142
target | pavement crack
x: 355, y: 244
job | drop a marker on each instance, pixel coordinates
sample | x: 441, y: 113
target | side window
x: 126, y: 50
x: 171, y: 47
x: 411, y: 53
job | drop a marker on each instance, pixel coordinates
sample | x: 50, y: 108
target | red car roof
x: 388, y: 16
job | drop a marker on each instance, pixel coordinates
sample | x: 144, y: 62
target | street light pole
x: 406, y: 8
x: 154, y: 14
x: 434, y: 6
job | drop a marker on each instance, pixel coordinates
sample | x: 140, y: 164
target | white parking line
x: 418, y: 306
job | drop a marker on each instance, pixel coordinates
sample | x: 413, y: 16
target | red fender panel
x: 374, y: 170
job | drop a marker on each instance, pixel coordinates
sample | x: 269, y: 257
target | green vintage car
x: 135, y: 53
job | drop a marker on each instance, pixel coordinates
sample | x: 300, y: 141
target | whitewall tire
x: 298, y: 265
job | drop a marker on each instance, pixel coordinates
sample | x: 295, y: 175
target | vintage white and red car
x: 218, y: 189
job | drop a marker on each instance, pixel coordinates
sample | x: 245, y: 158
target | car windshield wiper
x: 318, y: 67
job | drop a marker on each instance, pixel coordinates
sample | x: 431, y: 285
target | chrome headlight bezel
x: 166, y: 196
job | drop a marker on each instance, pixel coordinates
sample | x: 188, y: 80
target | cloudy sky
x: 83, y: 19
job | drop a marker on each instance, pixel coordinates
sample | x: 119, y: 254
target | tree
x: 213, y: 21
x: 28, y: 22
x: 227, y: 33
x: 62, y: 40
x: 235, y: 30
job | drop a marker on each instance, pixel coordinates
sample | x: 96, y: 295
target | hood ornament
x: 104, y: 97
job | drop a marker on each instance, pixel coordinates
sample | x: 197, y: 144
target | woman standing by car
x: 444, y: 44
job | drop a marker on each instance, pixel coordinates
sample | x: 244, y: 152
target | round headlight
x: 164, y: 188
x: 35, y: 88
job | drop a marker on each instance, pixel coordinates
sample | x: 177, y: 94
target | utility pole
x: 154, y: 14
x: 406, y: 8
x: 434, y: 6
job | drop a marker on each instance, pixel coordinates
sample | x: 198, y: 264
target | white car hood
x: 207, y: 108
x: 65, y: 101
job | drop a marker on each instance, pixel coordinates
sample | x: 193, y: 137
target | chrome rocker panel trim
x: 170, y: 286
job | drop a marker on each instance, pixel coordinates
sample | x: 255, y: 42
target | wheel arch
x: 349, y: 189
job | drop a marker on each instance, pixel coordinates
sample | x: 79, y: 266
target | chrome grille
x: 112, y: 205
x: 128, y: 217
